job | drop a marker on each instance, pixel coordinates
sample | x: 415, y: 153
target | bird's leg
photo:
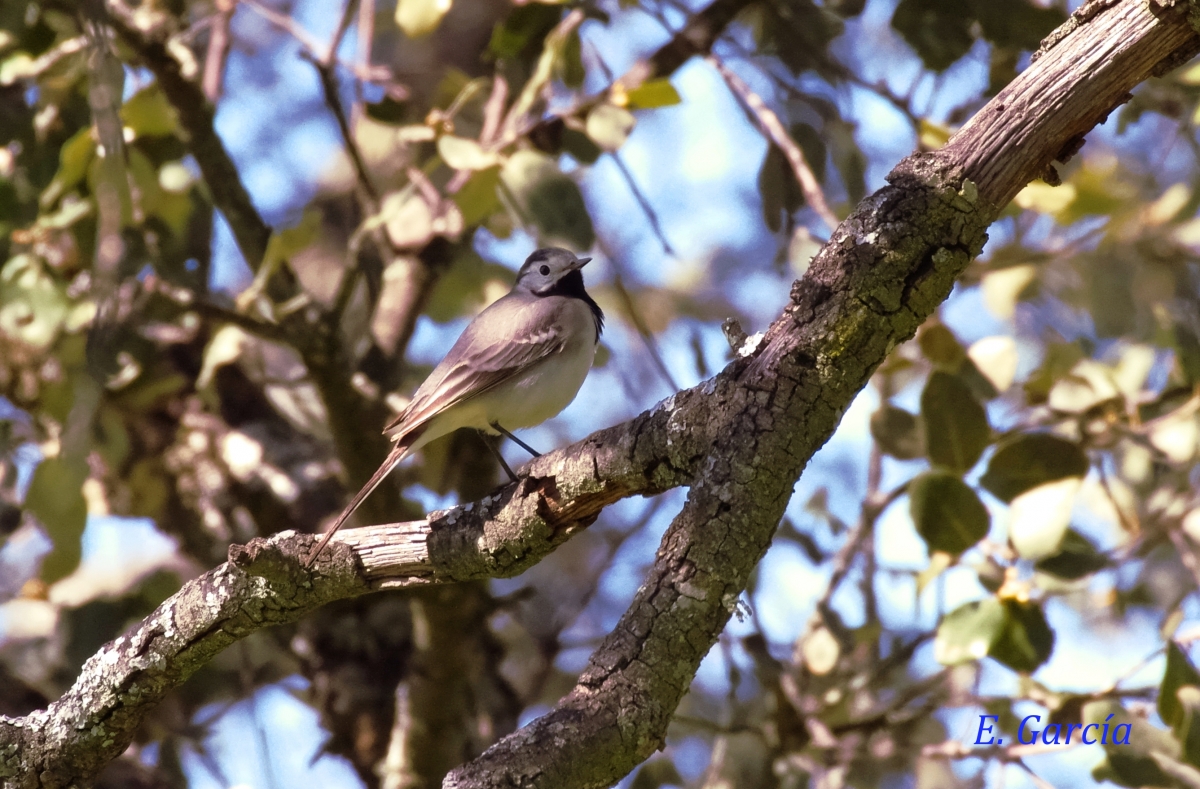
x: 496, y: 452
x: 496, y: 426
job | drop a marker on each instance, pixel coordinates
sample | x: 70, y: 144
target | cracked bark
x: 739, y: 440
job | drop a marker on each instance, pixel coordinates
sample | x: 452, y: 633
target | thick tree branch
x: 740, y: 440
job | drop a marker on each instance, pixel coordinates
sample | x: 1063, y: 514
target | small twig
x: 335, y: 43
x: 311, y: 45
x: 329, y: 89
x: 493, y: 109
x: 775, y: 131
x: 189, y: 300
x: 219, y: 43
x: 644, y: 204
x: 362, y: 55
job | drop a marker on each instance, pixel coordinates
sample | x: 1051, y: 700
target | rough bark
x: 740, y: 440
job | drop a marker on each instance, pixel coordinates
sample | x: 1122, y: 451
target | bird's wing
x: 487, y: 354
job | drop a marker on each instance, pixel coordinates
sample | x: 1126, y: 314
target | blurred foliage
x: 1048, y: 463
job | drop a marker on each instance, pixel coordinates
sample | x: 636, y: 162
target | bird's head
x: 547, y: 270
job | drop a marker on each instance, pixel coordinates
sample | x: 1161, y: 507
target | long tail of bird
x: 399, y: 451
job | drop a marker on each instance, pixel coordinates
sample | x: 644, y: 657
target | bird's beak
x: 580, y: 263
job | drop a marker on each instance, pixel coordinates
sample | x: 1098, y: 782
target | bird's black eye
x: 544, y: 270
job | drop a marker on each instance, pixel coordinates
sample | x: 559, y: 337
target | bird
x: 518, y: 363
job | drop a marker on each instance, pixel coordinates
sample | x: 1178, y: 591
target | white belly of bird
x: 540, y: 393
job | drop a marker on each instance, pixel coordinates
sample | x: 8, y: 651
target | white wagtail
x: 518, y: 363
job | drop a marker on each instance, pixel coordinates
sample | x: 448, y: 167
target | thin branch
x: 329, y: 89
x: 219, y: 43
x: 776, y: 132
x: 196, y: 118
x: 190, y: 300
x: 643, y: 330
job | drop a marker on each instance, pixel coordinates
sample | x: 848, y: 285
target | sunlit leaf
x: 33, y: 305
x: 1038, y: 518
x: 420, y: 17
x: 74, y: 158
x: 1089, y: 384
x: 996, y: 359
x: 1043, y: 198
x: 464, y: 154
x: 956, y: 426
x: 407, y: 218
x: 609, y: 126
x: 968, y: 632
x: 149, y: 114
x: 820, y: 651
x: 946, y: 512
x: 1003, y: 288
x: 652, y: 93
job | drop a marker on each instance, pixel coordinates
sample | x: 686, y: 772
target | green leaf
x: 1076, y: 558
x: 946, y: 512
x: 1012, y: 632
x: 149, y: 113
x: 1178, y: 673
x: 1027, y: 640
x: 656, y: 773
x: 898, y: 432
x: 968, y: 632
x: 477, y: 199
x: 580, y: 146
x: 609, y: 126
x: 1131, y: 765
x: 651, y: 94
x: 938, y: 30
x: 956, y: 426
x: 781, y: 195
x: 848, y: 158
x: 73, y: 160
x: 546, y: 197
x: 940, y: 346
x: 55, y: 497
x: 420, y: 17
x: 33, y: 305
x: 1016, y: 23
x: 523, y: 32
x: 1188, y: 730
x: 460, y: 289
x: 569, y: 65
x: 1028, y: 460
